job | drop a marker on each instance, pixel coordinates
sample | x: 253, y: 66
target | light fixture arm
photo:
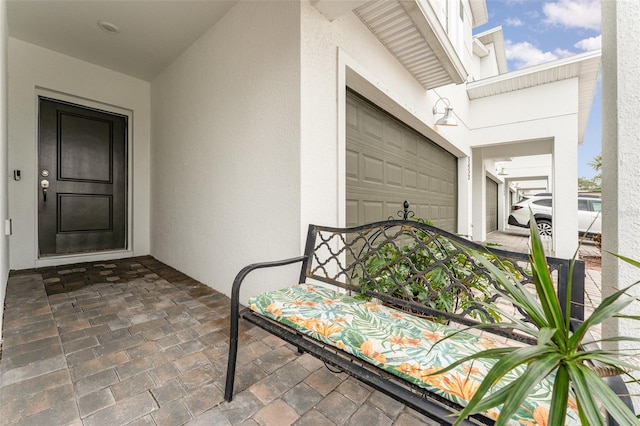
x: 448, y: 119
x: 447, y: 107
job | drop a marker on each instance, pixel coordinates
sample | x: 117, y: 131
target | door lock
x: 44, y: 184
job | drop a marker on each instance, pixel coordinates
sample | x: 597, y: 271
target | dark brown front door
x: 82, y: 181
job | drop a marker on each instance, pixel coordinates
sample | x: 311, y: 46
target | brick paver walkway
x: 137, y: 342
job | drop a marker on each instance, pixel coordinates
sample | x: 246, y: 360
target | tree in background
x: 596, y: 164
x: 589, y: 185
x: 594, y: 184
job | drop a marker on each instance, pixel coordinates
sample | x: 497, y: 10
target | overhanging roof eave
x: 584, y: 66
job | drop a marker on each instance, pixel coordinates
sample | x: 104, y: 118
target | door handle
x: 44, y: 184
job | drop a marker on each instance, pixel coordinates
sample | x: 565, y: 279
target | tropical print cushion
x: 399, y: 343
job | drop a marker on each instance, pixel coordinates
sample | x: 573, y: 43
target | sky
x: 538, y: 31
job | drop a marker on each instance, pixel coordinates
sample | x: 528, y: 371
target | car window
x: 545, y: 202
x: 597, y: 205
x: 583, y: 205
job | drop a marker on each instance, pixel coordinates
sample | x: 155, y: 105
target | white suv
x: 589, y: 218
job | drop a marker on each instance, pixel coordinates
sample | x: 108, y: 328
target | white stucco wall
x: 545, y: 119
x: 226, y: 149
x: 525, y: 109
x: 4, y: 240
x: 487, y: 66
x: 620, y: 158
x: 31, y: 69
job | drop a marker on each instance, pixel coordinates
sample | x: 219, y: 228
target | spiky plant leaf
x: 559, y: 349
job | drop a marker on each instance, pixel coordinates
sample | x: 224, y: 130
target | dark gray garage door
x: 388, y: 162
x: 492, y: 205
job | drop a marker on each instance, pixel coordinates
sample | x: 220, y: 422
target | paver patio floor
x: 136, y: 342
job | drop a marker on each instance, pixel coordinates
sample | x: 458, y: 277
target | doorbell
x: 16, y: 175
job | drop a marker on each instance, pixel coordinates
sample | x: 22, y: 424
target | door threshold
x: 68, y: 258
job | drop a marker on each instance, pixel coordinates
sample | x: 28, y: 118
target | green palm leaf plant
x: 559, y: 350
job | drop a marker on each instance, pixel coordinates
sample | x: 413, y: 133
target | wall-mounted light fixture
x: 448, y: 119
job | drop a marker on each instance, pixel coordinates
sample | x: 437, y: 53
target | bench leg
x: 235, y: 316
x: 233, y: 349
x: 231, y: 367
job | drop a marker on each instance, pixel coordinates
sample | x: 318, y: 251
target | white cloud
x: 513, y: 22
x: 590, y: 43
x: 574, y: 13
x: 525, y: 54
x: 532, y: 14
x: 562, y: 53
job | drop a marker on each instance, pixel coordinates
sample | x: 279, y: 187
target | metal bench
x: 410, y: 268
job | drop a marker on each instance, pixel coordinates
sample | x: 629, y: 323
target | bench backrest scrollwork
x: 417, y: 267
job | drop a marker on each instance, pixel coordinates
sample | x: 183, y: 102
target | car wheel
x: 544, y: 227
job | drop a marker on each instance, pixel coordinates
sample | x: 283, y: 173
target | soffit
x: 479, y: 12
x: 585, y: 67
x: 495, y: 36
x: 153, y: 32
x: 411, y: 31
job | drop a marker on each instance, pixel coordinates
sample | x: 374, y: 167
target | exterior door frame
x: 53, y: 260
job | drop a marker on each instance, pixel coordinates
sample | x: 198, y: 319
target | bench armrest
x: 237, y: 282
x: 235, y: 313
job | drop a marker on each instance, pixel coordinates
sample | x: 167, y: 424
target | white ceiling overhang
x: 411, y: 31
x: 153, y: 32
x: 584, y: 66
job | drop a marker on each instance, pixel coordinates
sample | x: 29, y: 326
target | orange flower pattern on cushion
x: 402, y: 344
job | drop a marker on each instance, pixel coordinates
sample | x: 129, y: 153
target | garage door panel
x: 411, y: 145
x: 433, y: 213
x: 352, y: 115
x: 422, y: 210
x: 410, y: 179
x: 353, y: 212
x: 373, y: 170
x: 406, y: 167
x: 423, y: 183
x: 353, y: 163
x: 373, y: 211
x: 426, y: 153
x: 372, y: 126
x: 394, y: 175
x: 434, y: 185
x: 393, y: 135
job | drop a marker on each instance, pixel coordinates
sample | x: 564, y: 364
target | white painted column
x: 621, y: 156
x: 464, y: 196
x: 565, y: 193
x: 478, y: 199
x: 503, y: 205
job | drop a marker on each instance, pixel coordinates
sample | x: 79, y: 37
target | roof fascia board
x: 496, y: 36
x: 427, y: 23
x: 479, y: 49
x: 479, y: 12
x: 559, y: 63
